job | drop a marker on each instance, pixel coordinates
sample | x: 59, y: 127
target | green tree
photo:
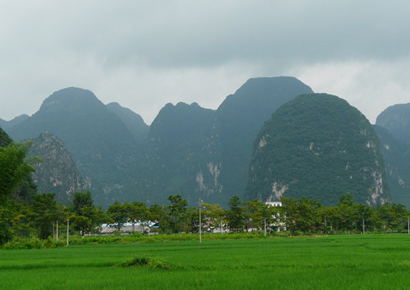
x: 118, y: 213
x: 216, y: 215
x: 393, y: 217
x: 82, y: 200
x: 86, y: 215
x: 291, y: 213
x: 364, y: 215
x: 13, y: 220
x: 235, y: 215
x: 329, y: 216
x: 137, y: 212
x: 25, y: 190
x: 260, y: 214
x: 44, y: 212
x: 253, y: 213
x: 346, y: 199
x: 159, y: 214
x: 191, y: 223
x: 177, y: 213
x: 309, y: 218
x: 347, y: 218
x: 13, y: 168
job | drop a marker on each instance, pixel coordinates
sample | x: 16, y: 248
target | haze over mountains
x: 393, y: 129
x: 8, y: 124
x: 187, y: 150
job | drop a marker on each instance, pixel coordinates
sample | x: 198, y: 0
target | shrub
x: 136, y: 261
x: 49, y: 243
x: 147, y: 261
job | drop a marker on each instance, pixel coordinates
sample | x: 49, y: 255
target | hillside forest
x: 274, y: 139
x: 41, y: 214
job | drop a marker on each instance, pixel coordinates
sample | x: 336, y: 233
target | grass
x: 333, y: 262
x: 33, y: 243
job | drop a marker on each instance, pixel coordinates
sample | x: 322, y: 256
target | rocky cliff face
x: 189, y: 150
x: 317, y: 146
x: 393, y: 129
x: 168, y: 161
x: 228, y: 149
x: 57, y: 172
x: 396, y: 155
x: 202, y: 153
x: 97, y: 139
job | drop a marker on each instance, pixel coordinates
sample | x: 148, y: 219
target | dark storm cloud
x: 144, y: 54
x: 191, y: 33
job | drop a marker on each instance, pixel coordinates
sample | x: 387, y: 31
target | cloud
x: 144, y: 54
x: 371, y: 86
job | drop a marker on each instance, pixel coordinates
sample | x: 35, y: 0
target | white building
x: 274, y: 203
x: 278, y: 224
x: 127, y: 228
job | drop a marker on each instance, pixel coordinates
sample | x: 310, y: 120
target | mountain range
x: 95, y: 137
x: 187, y: 150
x: 8, y: 124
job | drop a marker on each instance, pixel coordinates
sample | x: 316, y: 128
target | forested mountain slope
x: 189, y: 150
x: 396, y: 119
x: 317, y: 146
x: 57, y: 172
x: 96, y: 138
x: 169, y: 159
x: 202, y: 153
x: 393, y: 129
x: 134, y: 123
x: 236, y: 125
x: 4, y: 138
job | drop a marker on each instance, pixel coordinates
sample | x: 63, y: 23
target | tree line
x: 297, y: 216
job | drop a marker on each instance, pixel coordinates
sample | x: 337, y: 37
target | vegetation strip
x: 328, y: 262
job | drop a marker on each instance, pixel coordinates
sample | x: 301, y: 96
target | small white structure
x: 274, y: 203
x: 127, y: 228
x: 278, y: 223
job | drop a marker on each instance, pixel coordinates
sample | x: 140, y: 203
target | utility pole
x: 200, y: 225
x: 68, y: 229
x: 265, y: 228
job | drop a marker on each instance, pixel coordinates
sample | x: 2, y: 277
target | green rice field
x: 331, y: 262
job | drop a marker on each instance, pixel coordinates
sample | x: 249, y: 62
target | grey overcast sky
x: 144, y: 54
